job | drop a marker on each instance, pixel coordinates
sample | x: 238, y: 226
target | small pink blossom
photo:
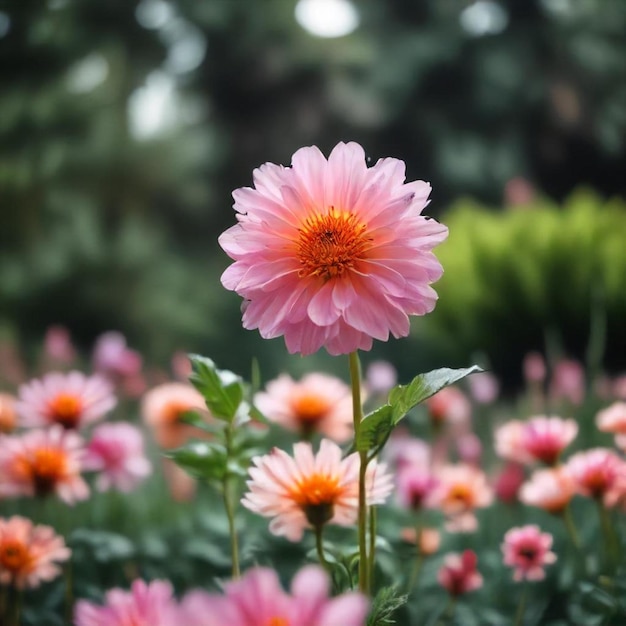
x: 58, y: 345
x: 331, y: 253
x: 613, y: 419
x: 258, y: 598
x: 380, y: 377
x: 403, y: 449
x: 534, y: 368
x: 527, y: 550
x: 415, y: 485
x: 458, y: 574
x: 316, y: 404
x: 42, y: 462
x: 71, y: 400
x: 599, y: 473
x: 508, y: 482
x: 29, y: 554
x: 484, y: 387
x: 469, y: 448
x: 146, y: 604
x: 116, y: 452
x: 309, y: 489
x: 449, y: 406
x: 541, y: 438
x: 461, y: 490
x: 113, y: 358
x: 549, y: 489
x: 568, y: 381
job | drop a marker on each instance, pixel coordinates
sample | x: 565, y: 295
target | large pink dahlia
x: 331, y: 253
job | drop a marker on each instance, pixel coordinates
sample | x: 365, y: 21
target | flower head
x: 29, y: 554
x: 380, y: 377
x: 415, y: 485
x: 508, y: 482
x: 259, y: 600
x: 331, y: 253
x: 71, y: 400
x: 8, y: 414
x: 613, y: 419
x: 461, y: 490
x: 146, y: 604
x: 163, y: 407
x: 41, y: 462
x: 549, y: 489
x: 568, y: 381
x: 527, y: 550
x: 309, y: 490
x: 599, y: 473
x: 116, y: 451
x: 318, y: 403
x: 534, y: 367
x: 450, y: 405
x: 458, y: 574
x: 58, y: 345
x: 112, y: 357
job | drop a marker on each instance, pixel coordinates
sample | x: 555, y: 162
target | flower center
x: 310, y: 408
x: 528, y: 553
x: 45, y: 468
x: 330, y: 243
x: 316, y: 495
x: 460, y: 495
x: 173, y: 413
x: 596, y: 481
x: 13, y: 555
x: 65, y: 409
x: 277, y: 620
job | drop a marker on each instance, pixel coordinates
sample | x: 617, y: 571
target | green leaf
x: 206, y: 460
x: 196, y: 420
x: 387, y: 601
x: 223, y: 390
x: 403, y: 398
x: 375, y: 429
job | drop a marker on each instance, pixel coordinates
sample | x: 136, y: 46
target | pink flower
x: 527, y: 550
x: 534, y: 367
x: 8, y: 414
x: 380, y: 377
x: 72, y: 400
x: 317, y: 404
x: 451, y: 406
x: 549, y: 489
x: 461, y: 490
x: 484, y: 387
x: 458, y: 574
x: 29, y: 554
x: 112, y: 357
x: 41, y: 462
x: 469, y: 448
x: 258, y: 598
x: 427, y: 540
x: 58, y: 345
x: 329, y: 253
x: 309, y: 490
x: 613, y: 419
x: 163, y: 407
x: 146, y: 604
x: 403, y: 449
x: 508, y: 482
x: 568, y: 381
x: 116, y: 451
x: 599, y: 473
x: 539, y: 439
x: 415, y: 485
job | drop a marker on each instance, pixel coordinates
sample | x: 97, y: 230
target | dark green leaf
x: 375, y: 429
x: 201, y: 459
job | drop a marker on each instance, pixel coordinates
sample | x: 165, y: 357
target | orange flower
x: 29, y: 554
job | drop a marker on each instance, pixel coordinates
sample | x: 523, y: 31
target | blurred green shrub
x: 516, y: 279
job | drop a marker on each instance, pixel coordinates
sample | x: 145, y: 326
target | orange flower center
x: 65, y: 409
x: 310, y: 408
x: 173, y: 412
x: 44, y: 468
x: 316, y: 495
x: 278, y: 621
x: 14, y: 555
x: 7, y: 417
x: 329, y: 244
x: 460, y: 495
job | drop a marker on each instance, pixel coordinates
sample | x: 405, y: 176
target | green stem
x: 229, y: 505
x: 448, y: 613
x: 357, y: 413
x: 521, y: 608
x: 611, y: 543
x: 419, y: 556
x: 319, y: 544
x: 372, y: 554
x: 571, y: 527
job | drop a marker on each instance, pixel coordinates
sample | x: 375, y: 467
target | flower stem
x: 357, y: 413
x: 319, y: 544
x: 611, y: 542
x: 419, y: 556
x: 521, y: 608
x: 229, y: 505
x: 571, y: 527
x: 372, y: 554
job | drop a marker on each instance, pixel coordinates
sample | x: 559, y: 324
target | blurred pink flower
x: 534, y: 367
x: 427, y: 540
x: 449, y: 406
x: 116, y: 451
x: 484, y: 387
x: 619, y: 387
x: 71, y: 400
x: 469, y: 448
x: 316, y: 404
x: 29, y: 554
x: 380, y: 377
x: 613, y: 419
x: 58, y: 345
x: 331, y: 253
x: 548, y: 489
x: 527, y: 550
x: 163, y: 407
x: 403, y: 449
x: 258, y: 598
x: 509, y: 481
x: 461, y: 490
x: 41, y: 462
x: 540, y: 438
x: 568, y: 381
x: 415, y: 485
x: 146, y: 604
x: 458, y: 574
x: 8, y: 414
x: 181, y: 366
x: 309, y: 490
x: 181, y: 485
x: 599, y: 473
x: 112, y: 357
